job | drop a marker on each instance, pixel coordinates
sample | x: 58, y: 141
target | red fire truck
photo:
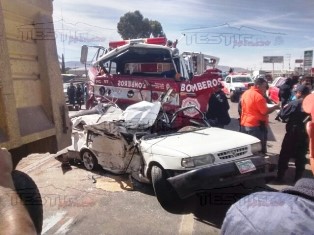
x: 130, y: 71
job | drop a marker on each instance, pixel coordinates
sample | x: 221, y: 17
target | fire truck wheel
x: 89, y: 160
x: 165, y: 193
x: 29, y: 194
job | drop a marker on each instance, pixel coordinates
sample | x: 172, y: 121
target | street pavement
x: 77, y: 201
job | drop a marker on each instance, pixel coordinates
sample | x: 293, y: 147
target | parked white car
x: 177, y: 163
x: 235, y: 84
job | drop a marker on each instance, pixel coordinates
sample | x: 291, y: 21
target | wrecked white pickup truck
x: 178, y: 163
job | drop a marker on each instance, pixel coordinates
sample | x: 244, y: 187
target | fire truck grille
x: 232, y: 153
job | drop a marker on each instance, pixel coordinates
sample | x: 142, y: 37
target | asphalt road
x: 77, y: 201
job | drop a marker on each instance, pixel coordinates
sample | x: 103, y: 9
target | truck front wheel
x: 165, y: 193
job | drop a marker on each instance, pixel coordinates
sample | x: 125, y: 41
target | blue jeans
x: 258, y: 132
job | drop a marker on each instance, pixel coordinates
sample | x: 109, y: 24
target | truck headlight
x: 197, y: 161
x: 256, y: 148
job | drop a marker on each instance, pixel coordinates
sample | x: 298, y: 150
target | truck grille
x: 232, y: 153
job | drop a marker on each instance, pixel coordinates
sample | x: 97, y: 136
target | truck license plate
x: 245, y: 166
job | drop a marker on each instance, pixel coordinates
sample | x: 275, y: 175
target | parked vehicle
x: 273, y: 90
x: 178, y: 162
x: 235, y: 84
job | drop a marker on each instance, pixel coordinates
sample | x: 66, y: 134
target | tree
x: 134, y: 25
x: 156, y: 28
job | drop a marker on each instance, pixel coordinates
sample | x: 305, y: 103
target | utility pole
x: 63, y: 65
x: 288, y: 56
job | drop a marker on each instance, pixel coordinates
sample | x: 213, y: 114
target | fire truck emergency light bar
x: 158, y: 41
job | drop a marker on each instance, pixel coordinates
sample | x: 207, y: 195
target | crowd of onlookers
x: 290, y: 211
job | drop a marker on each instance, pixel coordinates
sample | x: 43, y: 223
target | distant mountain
x: 73, y: 64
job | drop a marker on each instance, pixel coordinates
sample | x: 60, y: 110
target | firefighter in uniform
x: 295, y: 142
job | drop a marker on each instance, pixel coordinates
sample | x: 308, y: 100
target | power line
x: 90, y: 25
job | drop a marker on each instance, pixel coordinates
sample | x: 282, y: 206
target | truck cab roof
x: 138, y: 52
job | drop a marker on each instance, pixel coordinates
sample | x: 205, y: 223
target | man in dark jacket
x: 218, y: 106
x: 71, y: 93
x: 79, y: 95
x: 285, y: 93
x: 295, y: 142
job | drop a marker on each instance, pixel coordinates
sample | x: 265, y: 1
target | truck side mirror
x: 84, y: 52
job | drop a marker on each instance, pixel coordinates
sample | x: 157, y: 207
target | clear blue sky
x: 240, y: 32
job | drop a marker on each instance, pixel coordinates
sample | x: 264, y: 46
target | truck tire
x: 89, y: 160
x: 165, y: 193
x: 29, y: 194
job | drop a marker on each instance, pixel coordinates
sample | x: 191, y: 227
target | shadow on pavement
x: 126, y: 182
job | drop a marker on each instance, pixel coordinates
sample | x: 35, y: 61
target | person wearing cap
x: 218, y: 109
x: 289, y: 211
x: 254, y: 111
x: 295, y: 142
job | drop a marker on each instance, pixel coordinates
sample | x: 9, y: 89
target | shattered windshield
x: 141, y: 61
